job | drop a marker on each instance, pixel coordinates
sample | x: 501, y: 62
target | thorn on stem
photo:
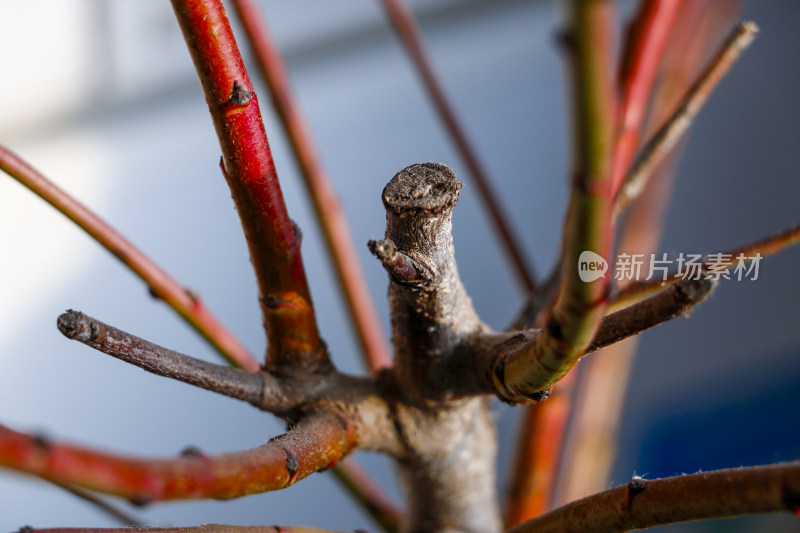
x: 192, y: 452
x: 791, y: 499
x: 239, y: 95
x: 298, y: 235
x: 401, y: 267
x: 42, y: 442
x: 636, y: 486
x: 141, y: 501
x: 292, y: 465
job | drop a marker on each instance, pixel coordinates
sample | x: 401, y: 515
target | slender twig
x: 272, y: 237
x: 588, y: 453
x: 541, y: 441
x: 697, y: 95
x: 676, y: 300
x: 311, y: 445
x: 646, y: 503
x: 647, y: 39
x: 406, y: 27
x: 588, y: 225
x: 368, y: 494
x: 258, y: 388
x: 329, y: 212
x: 208, y: 528
x: 101, y: 504
x: 534, y: 469
x: 722, y: 261
x: 184, y: 302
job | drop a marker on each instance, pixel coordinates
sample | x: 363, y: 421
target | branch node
x: 240, y: 96
x: 140, y: 501
x: 71, y: 323
x: 790, y: 497
x: 636, y: 486
x: 403, y: 269
x: 42, y: 442
x: 193, y: 452
x: 292, y: 466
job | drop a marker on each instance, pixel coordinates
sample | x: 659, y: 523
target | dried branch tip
x: 422, y: 190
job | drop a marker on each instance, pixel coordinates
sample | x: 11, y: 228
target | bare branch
x: 187, y: 304
x: 369, y: 495
x: 676, y: 300
x: 646, y: 503
x: 311, y: 445
x: 524, y: 374
x: 329, y: 212
x: 535, y: 467
x: 406, y: 26
x: 485, y: 350
x: 272, y: 237
x: 697, y: 95
x: 258, y: 388
x: 118, y: 514
x: 448, y: 478
x: 741, y: 255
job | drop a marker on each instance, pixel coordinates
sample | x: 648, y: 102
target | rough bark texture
x: 447, y: 447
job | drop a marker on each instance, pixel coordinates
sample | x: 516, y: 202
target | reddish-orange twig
x: 536, y: 463
x: 330, y: 214
x: 406, y: 27
x: 647, y: 39
x: 673, y: 129
x: 311, y: 445
x: 368, y: 494
x: 272, y: 237
x: 187, y: 305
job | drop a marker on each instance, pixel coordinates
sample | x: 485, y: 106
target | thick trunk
x: 448, y: 447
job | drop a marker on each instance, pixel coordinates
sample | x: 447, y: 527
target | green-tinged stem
x: 272, y: 237
x: 184, y: 302
x: 588, y: 226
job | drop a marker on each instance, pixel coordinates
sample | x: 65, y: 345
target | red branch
x: 312, y: 445
x: 272, y: 237
x: 647, y: 39
x: 330, y: 214
x: 188, y: 305
x: 403, y: 20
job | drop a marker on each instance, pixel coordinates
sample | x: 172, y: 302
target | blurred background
x: 101, y: 96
